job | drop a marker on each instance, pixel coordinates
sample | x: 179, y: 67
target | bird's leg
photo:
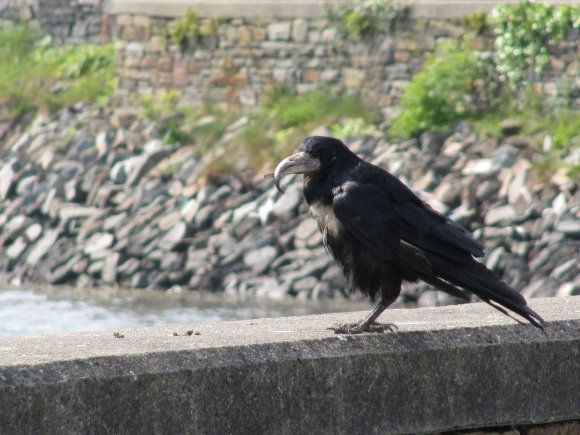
x: 368, y: 324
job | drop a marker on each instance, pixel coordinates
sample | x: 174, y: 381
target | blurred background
x: 136, y: 138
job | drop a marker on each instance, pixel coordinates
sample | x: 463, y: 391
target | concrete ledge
x: 294, y: 8
x: 445, y: 368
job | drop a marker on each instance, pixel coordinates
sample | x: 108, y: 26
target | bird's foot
x: 360, y: 327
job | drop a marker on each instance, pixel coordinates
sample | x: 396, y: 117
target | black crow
x: 382, y: 234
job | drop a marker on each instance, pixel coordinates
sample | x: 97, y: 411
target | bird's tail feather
x: 478, y: 279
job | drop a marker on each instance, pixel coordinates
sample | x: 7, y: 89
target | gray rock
x: 433, y: 298
x: 42, y: 247
x: 224, y: 244
x: 203, y: 218
x: 14, y: 227
x: 169, y: 220
x: 67, y: 271
x: 245, y: 211
x: 114, y: 221
x: 505, y: 156
x: 306, y: 284
x: 8, y: 178
x: 509, y: 127
x: 109, y: 271
x: 140, y: 280
x: 97, y: 246
x: 272, y: 289
x: 287, y: 204
x: 569, y: 227
x: 33, y: 232
x: 569, y: 289
x: 68, y: 212
x: 564, y: 269
x: 189, y: 210
x: 130, y: 171
x: 502, y: 215
x: 480, y: 167
x: 260, y: 259
x: 16, y: 248
x: 307, y: 235
x: 175, y: 238
x: 494, y: 258
x: 129, y: 267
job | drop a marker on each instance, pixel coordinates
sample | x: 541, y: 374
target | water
x: 28, y: 312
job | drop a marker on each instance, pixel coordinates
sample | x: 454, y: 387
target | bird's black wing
x: 396, y: 226
x: 384, y: 213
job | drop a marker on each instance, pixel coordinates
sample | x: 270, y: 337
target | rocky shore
x: 91, y: 197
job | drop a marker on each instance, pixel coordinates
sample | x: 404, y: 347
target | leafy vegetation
x: 524, y: 33
x: 282, y: 124
x: 183, y: 125
x: 189, y: 30
x: 455, y: 83
x: 353, y: 127
x: 264, y: 136
x: 36, y: 75
x: 356, y: 19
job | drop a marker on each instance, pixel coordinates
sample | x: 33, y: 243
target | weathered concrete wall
x: 445, y: 368
x: 67, y: 21
x: 250, y: 46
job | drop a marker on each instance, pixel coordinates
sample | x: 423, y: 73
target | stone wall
x: 67, y: 21
x: 240, y: 58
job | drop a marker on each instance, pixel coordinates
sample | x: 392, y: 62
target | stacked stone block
x: 244, y: 57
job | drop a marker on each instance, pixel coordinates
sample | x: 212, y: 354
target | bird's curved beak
x: 299, y: 163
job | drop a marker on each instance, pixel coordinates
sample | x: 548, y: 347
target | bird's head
x: 316, y: 154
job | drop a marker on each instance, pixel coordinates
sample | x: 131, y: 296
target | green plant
x: 455, y: 83
x: 566, y: 131
x: 524, y: 33
x: 353, y: 127
x: 73, y: 62
x: 356, y: 19
x: 36, y: 75
x: 476, y: 22
x: 190, y: 29
x: 184, y: 125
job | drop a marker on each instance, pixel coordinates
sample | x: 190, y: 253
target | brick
x: 132, y: 62
x: 279, y: 31
x: 245, y: 35
x: 149, y: 61
x: 299, y: 30
x: 180, y: 76
x: 165, y: 63
x: 142, y: 21
x: 124, y: 20
x: 402, y: 56
x: 156, y: 43
x: 311, y: 76
x: 353, y: 78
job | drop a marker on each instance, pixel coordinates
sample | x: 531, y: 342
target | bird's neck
x: 317, y: 188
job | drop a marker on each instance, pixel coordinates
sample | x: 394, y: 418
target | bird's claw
x: 359, y: 328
